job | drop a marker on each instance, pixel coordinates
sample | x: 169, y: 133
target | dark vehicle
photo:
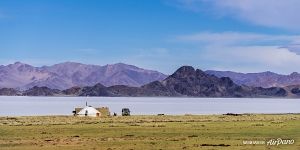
x: 125, y: 112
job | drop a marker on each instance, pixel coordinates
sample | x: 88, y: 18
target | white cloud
x: 245, y: 52
x: 251, y: 58
x: 293, y: 48
x: 270, y: 13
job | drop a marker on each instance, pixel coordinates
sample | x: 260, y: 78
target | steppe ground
x: 211, y: 132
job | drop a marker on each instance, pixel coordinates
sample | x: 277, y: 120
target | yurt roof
x: 89, y: 109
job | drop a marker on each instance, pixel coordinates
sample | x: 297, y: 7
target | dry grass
x: 147, y: 132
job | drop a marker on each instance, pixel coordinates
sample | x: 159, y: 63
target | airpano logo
x: 279, y: 141
x: 271, y: 142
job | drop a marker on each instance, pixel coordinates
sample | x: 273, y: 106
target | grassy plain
x: 211, y: 132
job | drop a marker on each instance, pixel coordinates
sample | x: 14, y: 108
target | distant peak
x: 266, y: 73
x: 99, y: 85
x: 18, y: 63
x: 70, y: 62
x: 120, y: 63
x: 294, y: 74
x: 186, y: 69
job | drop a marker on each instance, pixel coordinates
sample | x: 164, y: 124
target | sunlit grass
x: 147, y: 132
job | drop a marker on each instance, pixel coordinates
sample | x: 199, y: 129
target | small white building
x: 89, y: 111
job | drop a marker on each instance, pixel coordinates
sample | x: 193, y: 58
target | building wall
x: 104, y: 111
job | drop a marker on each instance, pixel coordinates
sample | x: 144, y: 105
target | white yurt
x: 89, y: 111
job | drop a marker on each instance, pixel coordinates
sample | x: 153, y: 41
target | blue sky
x: 237, y: 35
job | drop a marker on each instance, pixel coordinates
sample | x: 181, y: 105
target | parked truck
x: 125, y: 112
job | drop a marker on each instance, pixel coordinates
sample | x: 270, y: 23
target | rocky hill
x: 41, y: 91
x: 293, y: 91
x: 10, y: 92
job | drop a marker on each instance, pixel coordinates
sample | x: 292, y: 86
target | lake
x: 37, y: 106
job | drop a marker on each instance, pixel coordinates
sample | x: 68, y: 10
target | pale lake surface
x: 38, y: 106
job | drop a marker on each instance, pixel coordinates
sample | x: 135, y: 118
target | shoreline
x: 134, y: 115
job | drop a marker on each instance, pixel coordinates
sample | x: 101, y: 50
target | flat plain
x: 149, y: 132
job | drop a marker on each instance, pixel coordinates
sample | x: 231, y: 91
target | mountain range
x: 69, y: 74
x: 263, y: 79
x: 76, y: 79
x: 185, y: 82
